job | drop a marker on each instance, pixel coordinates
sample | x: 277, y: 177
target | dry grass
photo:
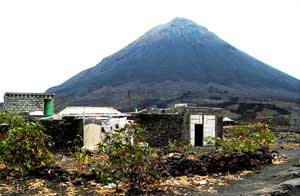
x: 205, y: 184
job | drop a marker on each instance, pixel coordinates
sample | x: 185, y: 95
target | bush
x: 11, y: 120
x: 172, y: 146
x: 25, y: 145
x: 185, y: 147
x: 241, y: 139
x: 264, y: 135
x: 82, y: 157
x: 126, y: 157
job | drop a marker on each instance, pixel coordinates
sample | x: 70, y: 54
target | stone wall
x: 178, y: 164
x: 64, y: 132
x: 25, y: 102
x: 219, y: 126
x: 161, y: 128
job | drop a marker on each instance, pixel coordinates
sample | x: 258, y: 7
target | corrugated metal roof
x: 90, y: 111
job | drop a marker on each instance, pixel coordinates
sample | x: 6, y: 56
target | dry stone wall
x: 162, y: 128
x: 64, y: 132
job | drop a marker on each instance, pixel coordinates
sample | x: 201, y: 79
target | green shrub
x: 12, y: 120
x: 263, y: 134
x: 126, y: 157
x: 82, y: 157
x: 241, y: 139
x: 25, y: 145
x: 185, y: 147
x: 210, y: 142
x: 172, y: 146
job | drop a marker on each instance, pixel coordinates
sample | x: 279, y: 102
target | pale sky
x: 43, y: 43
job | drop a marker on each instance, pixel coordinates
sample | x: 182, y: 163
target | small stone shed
x: 25, y: 103
x: 181, y: 124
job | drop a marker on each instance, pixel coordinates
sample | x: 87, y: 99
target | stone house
x: 26, y: 103
x: 180, y: 124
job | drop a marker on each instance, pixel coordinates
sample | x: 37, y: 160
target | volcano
x: 180, y: 61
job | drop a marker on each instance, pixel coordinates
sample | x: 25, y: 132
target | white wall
x: 209, y: 126
x: 92, y: 133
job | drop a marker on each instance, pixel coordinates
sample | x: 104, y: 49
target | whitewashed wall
x: 92, y: 133
x: 209, y: 126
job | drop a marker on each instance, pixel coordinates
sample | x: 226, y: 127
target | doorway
x: 48, y: 107
x: 198, y: 134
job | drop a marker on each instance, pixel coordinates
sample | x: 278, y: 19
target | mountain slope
x: 179, y: 61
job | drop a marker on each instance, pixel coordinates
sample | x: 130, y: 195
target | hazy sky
x: 43, y: 43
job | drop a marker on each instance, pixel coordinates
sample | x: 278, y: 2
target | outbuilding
x: 181, y: 124
x: 26, y: 103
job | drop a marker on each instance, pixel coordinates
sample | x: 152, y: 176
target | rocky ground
x: 280, y: 178
x: 275, y: 179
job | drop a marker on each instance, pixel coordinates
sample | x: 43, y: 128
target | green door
x: 48, y: 107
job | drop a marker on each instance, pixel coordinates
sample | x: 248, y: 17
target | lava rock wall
x: 64, y: 132
x: 162, y: 128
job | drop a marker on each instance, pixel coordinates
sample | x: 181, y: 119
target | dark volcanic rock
x: 178, y: 165
x: 177, y: 61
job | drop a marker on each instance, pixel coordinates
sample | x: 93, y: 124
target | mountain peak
x: 177, y: 20
x: 170, y: 60
x: 178, y: 27
x: 187, y: 24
